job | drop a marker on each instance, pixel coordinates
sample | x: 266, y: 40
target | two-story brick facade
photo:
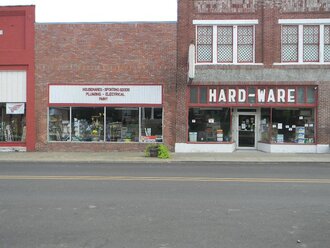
x: 253, y: 75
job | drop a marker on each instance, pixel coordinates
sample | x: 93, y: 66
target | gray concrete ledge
x: 138, y: 157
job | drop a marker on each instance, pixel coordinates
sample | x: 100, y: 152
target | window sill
x: 286, y: 143
x: 296, y: 63
x: 230, y: 64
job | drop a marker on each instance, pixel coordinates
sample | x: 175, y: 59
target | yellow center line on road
x: 170, y: 179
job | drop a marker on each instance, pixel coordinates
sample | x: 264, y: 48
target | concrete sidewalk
x: 138, y: 157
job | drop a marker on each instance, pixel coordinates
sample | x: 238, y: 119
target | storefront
x: 105, y: 113
x: 270, y: 118
x: 13, y: 108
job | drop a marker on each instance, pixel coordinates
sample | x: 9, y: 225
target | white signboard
x: 105, y: 94
x: 15, y: 108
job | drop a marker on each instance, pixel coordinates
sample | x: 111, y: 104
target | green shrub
x: 163, y: 152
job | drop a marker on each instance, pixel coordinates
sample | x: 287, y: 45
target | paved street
x: 174, y: 205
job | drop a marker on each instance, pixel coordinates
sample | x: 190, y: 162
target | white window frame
x: 232, y: 23
x: 301, y: 23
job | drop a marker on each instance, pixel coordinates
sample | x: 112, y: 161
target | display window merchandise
x: 126, y: 123
x: 13, y: 107
x: 209, y: 125
x: 248, y: 115
x: 13, y: 122
x: 105, y: 124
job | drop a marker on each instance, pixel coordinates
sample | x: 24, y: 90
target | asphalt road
x: 185, y: 205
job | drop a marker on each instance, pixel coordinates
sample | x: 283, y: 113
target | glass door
x: 246, y: 131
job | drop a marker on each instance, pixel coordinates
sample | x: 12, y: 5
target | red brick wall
x: 323, y: 134
x: 122, y: 53
x: 268, y: 49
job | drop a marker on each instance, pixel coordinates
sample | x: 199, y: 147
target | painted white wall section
x: 12, y: 86
x: 203, y: 148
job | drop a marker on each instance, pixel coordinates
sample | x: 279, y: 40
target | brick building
x: 105, y: 86
x: 17, y: 87
x: 253, y: 74
x: 230, y: 74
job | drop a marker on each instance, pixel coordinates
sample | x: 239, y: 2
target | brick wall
x: 119, y: 53
x: 323, y: 132
x: 268, y: 52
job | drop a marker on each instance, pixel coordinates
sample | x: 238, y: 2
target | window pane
x: 12, y: 126
x: 245, y: 44
x: 225, y: 44
x: 326, y: 43
x: 264, y: 125
x: 293, y: 126
x: 122, y: 125
x: 311, y: 43
x: 204, y: 44
x: 310, y: 95
x: 193, y: 95
x: 289, y: 43
x: 151, y: 124
x: 209, y: 125
x: 87, y: 124
x: 301, y: 95
x: 59, y: 124
x: 245, y: 53
x: 202, y: 95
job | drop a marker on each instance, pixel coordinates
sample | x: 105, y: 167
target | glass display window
x: 12, y: 122
x: 122, y: 124
x: 105, y: 124
x: 151, y: 124
x: 87, y: 124
x: 59, y: 124
x: 293, y: 126
x: 209, y: 125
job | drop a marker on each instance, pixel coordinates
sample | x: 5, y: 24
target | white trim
x: 205, y: 148
x: 292, y: 148
x: 215, y: 44
x: 304, y: 21
x: 301, y: 44
x: 226, y: 22
x: 321, y: 43
x: 235, y: 44
x: 247, y: 64
x: 305, y: 63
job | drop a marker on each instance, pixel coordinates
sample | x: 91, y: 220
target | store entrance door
x: 246, y: 130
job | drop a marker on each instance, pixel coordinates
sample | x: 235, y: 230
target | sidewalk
x: 138, y: 157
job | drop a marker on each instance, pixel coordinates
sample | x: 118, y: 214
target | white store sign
x: 15, y: 108
x: 105, y: 94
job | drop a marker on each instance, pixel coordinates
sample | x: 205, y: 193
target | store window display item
x: 105, y: 124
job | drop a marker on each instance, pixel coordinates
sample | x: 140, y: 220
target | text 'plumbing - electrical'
x: 104, y: 92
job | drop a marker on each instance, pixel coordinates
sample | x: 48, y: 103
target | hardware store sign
x: 260, y: 95
x: 105, y: 94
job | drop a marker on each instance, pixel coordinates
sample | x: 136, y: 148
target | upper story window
x: 305, y: 41
x: 225, y: 41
